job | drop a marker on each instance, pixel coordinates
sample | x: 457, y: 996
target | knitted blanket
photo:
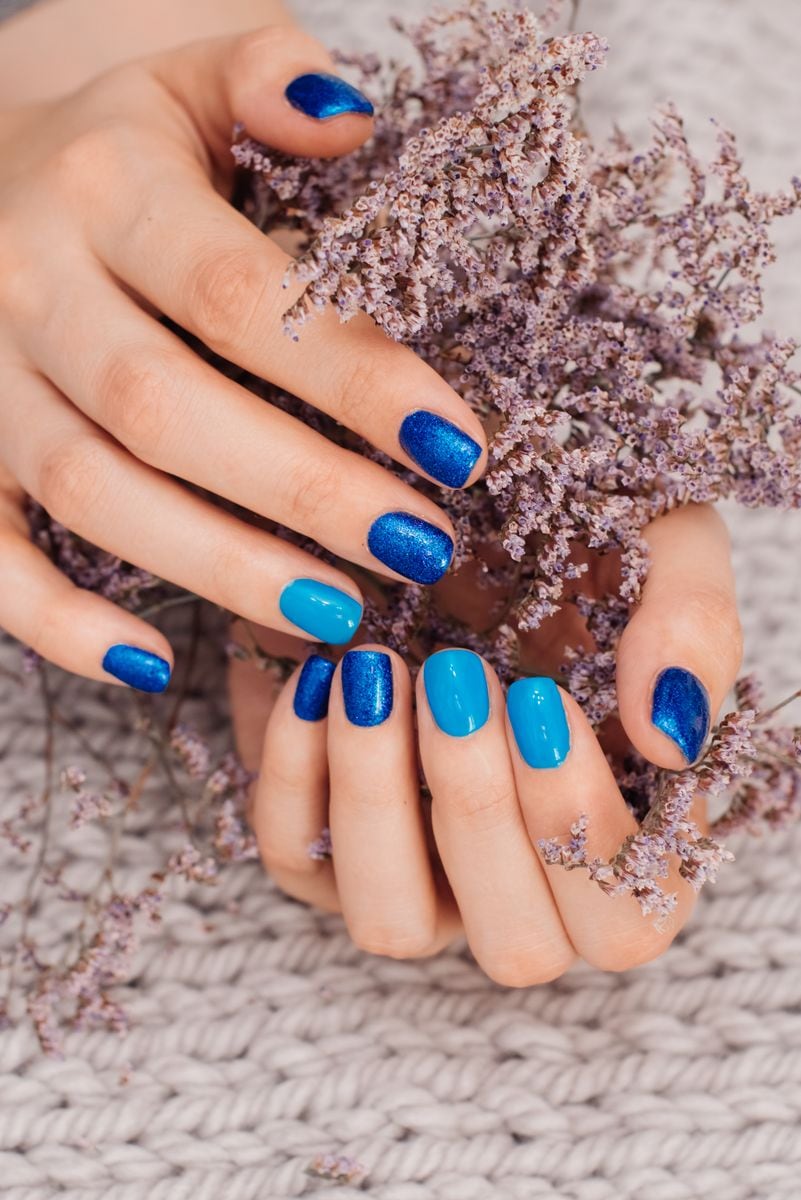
x: 261, y: 1038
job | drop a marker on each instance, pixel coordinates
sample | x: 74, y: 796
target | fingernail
x: 412, y: 547
x: 367, y: 686
x: 321, y: 96
x: 439, y: 447
x: 456, y: 690
x: 680, y: 708
x: 320, y: 610
x: 138, y: 668
x: 537, y: 717
x: 313, y: 688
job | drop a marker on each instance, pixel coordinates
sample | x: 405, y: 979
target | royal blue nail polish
x: 367, y: 686
x: 321, y: 96
x: 412, y: 547
x: 439, y: 447
x: 313, y: 688
x: 537, y: 716
x: 680, y: 708
x: 138, y: 668
x: 456, y: 690
x: 320, y: 610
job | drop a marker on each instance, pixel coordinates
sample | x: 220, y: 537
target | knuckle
x: 22, y: 297
x: 390, y: 941
x: 714, y: 610
x: 140, y: 403
x: 313, y: 492
x: 87, y: 158
x: 228, y: 567
x: 483, y: 803
x: 225, y: 293
x: 357, y: 386
x: 72, y: 478
x: 524, y: 966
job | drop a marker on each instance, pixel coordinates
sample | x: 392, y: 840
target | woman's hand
x: 113, y: 210
x: 340, y: 750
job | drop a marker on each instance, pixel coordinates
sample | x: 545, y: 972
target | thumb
x: 278, y: 82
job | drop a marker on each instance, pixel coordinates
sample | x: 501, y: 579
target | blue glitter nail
x: 322, y: 96
x: 313, y: 688
x: 439, y: 447
x: 412, y: 547
x: 367, y: 686
x: 138, y: 668
x: 681, y: 710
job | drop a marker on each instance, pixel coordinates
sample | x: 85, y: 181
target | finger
x: 509, y: 915
x: 70, y: 626
x: 175, y: 412
x: 178, y: 244
x: 561, y: 772
x: 279, y: 82
x: 682, y: 649
x: 95, y: 488
x: 291, y: 799
x: 381, y: 861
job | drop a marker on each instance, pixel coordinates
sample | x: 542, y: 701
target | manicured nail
x: 367, y: 686
x: 680, y: 708
x: 439, y: 447
x: 320, y: 610
x: 138, y: 668
x: 537, y: 717
x: 322, y: 96
x: 313, y: 688
x: 412, y: 547
x: 456, y: 690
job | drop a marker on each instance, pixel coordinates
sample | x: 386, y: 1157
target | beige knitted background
x: 261, y: 1036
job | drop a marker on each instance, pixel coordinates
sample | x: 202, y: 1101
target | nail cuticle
x: 441, y: 448
x: 539, y: 722
x: 313, y: 688
x: 322, y: 96
x: 320, y: 610
x: 680, y: 710
x: 367, y: 687
x: 410, y: 546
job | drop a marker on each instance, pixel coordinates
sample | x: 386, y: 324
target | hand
x: 502, y: 774
x: 113, y: 210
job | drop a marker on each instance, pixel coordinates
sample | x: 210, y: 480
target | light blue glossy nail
x: 313, y: 688
x: 320, y: 610
x: 412, y: 547
x: 441, y: 448
x: 680, y: 708
x: 321, y: 96
x: 138, y: 668
x: 367, y: 687
x: 537, y: 717
x: 456, y: 690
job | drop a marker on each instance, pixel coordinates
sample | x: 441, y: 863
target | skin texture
x: 126, y: 182
x: 407, y: 885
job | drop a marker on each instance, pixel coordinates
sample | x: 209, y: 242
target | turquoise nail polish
x: 138, y: 668
x: 456, y: 690
x: 322, y: 611
x: 537, y: 717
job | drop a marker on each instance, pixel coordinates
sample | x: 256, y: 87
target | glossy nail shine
x: 138, y: 668
x: 680, y: 708
x: 320, y: 610
x: 367, y: 687
x: 313, y: 688
x: 456, y: 690
x: 412, y: 547
x: 537, y: 716
x: 439, y: 447
x: 322, y: 96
